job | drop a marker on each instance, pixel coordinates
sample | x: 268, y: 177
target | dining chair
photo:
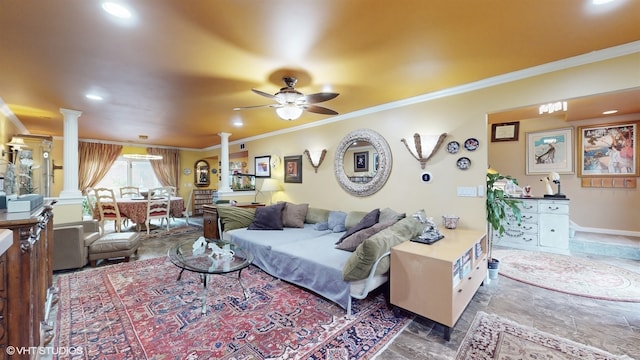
x: 92, y: 203
x: 187, y: 206
x: 129, y: 191
x: 108, y: 208
x: 158, y: 206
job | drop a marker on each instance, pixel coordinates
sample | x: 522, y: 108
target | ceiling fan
x: 290, y: 103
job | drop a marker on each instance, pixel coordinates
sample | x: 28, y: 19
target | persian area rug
x: 138, y: 310
x: 175, y: 228
x: 496, y: 338
x: 571, y: 275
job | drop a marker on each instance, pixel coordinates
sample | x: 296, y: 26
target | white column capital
x: 68, y: 113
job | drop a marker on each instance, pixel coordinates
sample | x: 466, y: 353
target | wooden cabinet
x: 437, y: 281
x: 544, y: 226
x: 201, y: 197
x: 210, y: 222
x: 26, y: 281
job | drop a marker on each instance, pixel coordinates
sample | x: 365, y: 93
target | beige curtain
x: 167, y: 170
x: 95, y: 161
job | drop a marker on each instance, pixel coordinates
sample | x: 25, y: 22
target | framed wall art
x: 608, y: 150
x: 505, y: 131
x: 361, y: 161
x: 550, y: 151
x: 293, y: 169
x: 263, y: 166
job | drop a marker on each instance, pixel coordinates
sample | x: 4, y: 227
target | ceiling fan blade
x: 320, y: 97
x: 267, y: 95
x: 319, y: 110
x: 254, y: 106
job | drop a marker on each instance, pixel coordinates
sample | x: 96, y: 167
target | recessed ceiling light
x: 601, y: 2
x: 609, y: 112
x: 237, y: 122
x: 94, y: 97
x: 116, y: 10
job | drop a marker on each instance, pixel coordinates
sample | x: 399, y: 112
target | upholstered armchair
x: 71, y: 242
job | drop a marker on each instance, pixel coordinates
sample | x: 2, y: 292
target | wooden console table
x: 437, y: 281
x: 26, y: 281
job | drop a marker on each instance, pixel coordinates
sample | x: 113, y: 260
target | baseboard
x: 577, y: 227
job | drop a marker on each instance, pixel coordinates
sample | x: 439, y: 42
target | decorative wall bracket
x: 431, y: 141
x: 315, y: 163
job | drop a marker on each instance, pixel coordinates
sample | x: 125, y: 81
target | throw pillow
x: 315, y: 215
x: 268, y: 218
x: 388, y: 215
x: 321, y: 226
x: 360, y: 262
x: 293, y: 215
x: 233, y: 217
x: 370, y: 219
x: 336, y: 220
x: 353, y: 218
x: 351, y: 242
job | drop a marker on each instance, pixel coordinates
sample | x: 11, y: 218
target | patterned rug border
x: 487, y: 333
x: 635, y: 277
x: 331, y: 346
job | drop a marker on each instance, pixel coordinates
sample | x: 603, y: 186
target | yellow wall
x: 461, y: 116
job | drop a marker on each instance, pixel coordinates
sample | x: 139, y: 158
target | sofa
x: 338, y: 255
x: 71, y: 242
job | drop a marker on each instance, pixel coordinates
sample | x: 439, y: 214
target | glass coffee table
x: 210, y: 257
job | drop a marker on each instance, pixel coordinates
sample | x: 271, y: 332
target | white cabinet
x: 544, y: 226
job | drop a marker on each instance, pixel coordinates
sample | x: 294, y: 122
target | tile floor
x: 608, y: 325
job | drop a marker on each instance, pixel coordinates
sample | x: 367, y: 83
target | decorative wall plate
x: 186, y: 171
x: 463, y: 163
x: 471, y: 144
x: 453, y: 147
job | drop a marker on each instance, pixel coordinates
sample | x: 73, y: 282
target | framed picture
x: 293, y: 169
x: 505, y: 131
x: 263, y: 166
x: 361, y: 161
x: 608, y: 150
x: 550, y: 151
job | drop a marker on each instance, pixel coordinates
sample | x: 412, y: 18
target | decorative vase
x: 493, y: 265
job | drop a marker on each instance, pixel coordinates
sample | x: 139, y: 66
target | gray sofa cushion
x: 351, y: 242
x: 336, y: 221
x: 268, y: 218
x: 294, y: 215
x: 370, y: 219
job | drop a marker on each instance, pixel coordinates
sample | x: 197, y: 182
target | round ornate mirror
x: 362, y: 163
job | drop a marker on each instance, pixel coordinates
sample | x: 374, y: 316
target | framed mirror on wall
x: 201, y: 173
x: 351, y: 162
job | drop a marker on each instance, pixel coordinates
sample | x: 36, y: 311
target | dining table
x: 135, y: 209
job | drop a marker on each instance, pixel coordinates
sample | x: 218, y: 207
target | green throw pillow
x: 316, y: 215
x: 360, y: 262
x: 233, y: 217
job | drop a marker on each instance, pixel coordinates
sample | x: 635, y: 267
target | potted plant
x: 498, y: 204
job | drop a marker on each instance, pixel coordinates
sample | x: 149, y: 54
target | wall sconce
x: 316, y: 158
x: 431, y: 143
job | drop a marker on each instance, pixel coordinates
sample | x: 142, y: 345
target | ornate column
x: 71, y: 187
x: 224, y: 163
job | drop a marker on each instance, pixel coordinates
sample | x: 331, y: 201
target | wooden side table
x: 437, y: 281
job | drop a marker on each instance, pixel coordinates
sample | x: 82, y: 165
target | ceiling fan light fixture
x: 289, y: 112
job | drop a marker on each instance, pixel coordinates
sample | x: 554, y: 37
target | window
x: 130, y: 172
